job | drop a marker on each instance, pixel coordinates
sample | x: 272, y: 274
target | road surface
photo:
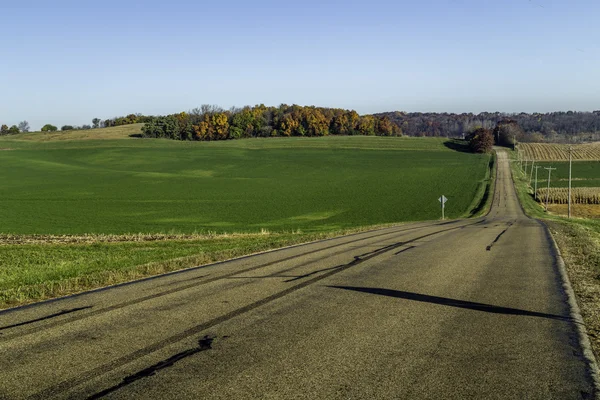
x: 453, y: 310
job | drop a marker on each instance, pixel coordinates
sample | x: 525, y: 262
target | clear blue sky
x: 65, y: 62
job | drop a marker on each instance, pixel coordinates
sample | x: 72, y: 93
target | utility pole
x: 531, y: 172
x: 536, y: 174
x: 525, y: 170
x: 550, y: 169
x: 570, y: 164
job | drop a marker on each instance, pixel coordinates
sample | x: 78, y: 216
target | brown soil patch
x: 577, y: 210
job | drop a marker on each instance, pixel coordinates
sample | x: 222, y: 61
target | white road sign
x: 443, y: 200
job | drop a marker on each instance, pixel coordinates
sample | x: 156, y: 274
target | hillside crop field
x: 559, y: 152
x: 584, y: 174
x: 279, y: 184
x: 561, y: 195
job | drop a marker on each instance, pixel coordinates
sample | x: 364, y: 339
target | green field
x: 585, y: 174
x: 308, y: 184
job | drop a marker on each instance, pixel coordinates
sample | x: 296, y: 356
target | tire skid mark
x: 406, y: 249
x: 196, y: 278
x: 191, y: 285
x: 198, y: 329
x: 58, y: 314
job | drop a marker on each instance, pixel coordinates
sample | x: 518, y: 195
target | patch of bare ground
x: 577, y: 210
x: 580, y: 248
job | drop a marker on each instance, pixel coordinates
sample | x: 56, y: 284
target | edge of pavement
x: 574, y: 311
x: 584, y: 341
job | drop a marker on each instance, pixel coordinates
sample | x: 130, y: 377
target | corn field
x: 583, y: 195
x: 559, y: 152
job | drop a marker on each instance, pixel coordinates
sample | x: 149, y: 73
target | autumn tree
x: 289, y: 125
x: 4, y: 130
x: 184, y: 128
x: 340, y: 124
x: 366, y: 125
x: 385, y: 127
x: 314, y: 122
x: 481, y: 140
x: 220, y: 123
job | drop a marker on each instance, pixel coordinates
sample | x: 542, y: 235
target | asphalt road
x: 440, y: 310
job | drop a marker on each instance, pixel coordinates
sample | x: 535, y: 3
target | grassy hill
x: 117, y: 132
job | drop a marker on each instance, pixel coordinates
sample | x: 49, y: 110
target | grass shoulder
x: 39, y: 267
x: 482, y: 202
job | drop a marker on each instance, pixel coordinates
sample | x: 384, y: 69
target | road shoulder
x: 577, y: 246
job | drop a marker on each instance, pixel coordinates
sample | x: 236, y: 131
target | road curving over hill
x: 457, y: 309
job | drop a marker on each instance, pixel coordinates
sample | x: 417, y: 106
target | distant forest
x: 210, y: 122
x: 214, y: 123
x: 569, y: 126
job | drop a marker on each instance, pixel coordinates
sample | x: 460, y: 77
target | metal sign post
x: 443, y: 201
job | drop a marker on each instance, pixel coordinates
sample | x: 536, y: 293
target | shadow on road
x: 451, y: 302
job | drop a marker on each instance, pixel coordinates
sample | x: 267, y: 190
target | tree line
x: 210, y: 122
x: 536, y: 127
x: 23, y: 127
